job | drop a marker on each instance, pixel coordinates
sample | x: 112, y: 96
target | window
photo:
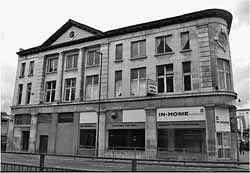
x: 185, y: 45
x: 92, y: 89
x: 224, y: 74
x: 118, y: 83
x: 52, y: 65
x: 118, y: 52
x: 22, y: 69
x: 70, y: 89
x: 71, y: 61
x: 165, y: 76
x: 31, y: 68
x: 50, y: 91
x: 186, y: 75
x: 138, y: 82
x: 44, y: 118
x: 127, y: 139
x: 162, y: 44
x: 20, y: 91
x: 28, y: 93
x: 138, y: 49
x: 92, y: 58
x: 65, y: 117
x: 23, y: 119
x: 87, y: 138
x: 223, y: 144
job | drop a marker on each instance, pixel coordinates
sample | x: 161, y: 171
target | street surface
x: 109, y: 165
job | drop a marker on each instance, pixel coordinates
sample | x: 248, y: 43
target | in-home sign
x: 181, y: 114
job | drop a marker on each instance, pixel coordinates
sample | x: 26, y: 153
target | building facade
x: 153, y: 90
x: 4, y: 130
x: 243, y: 120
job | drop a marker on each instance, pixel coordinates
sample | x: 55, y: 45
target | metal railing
x: 133, y: 162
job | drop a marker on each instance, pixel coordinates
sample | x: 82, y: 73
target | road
x: 105, y: 165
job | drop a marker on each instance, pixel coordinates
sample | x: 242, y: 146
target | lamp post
x: 99, y: 107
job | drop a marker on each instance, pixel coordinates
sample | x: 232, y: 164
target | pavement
x: 113, y: 165
x: 244, y: 158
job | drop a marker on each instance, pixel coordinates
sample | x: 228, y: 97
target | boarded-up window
x: 44, y: 118
x: 23, y: 119
x: 65, y: 117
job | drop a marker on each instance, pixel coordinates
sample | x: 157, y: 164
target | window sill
x: 91, y: 66
x: 138, y: 58
x: 119, y: 60
x: 167, y: 53
x: 186, y: 50
x: 71, y: 69
x: 54, y: 72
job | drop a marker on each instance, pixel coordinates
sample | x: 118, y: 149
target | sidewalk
x: 245, y: 158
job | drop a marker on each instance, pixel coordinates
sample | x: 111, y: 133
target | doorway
x: 43, y: 147
x: 25, y: 140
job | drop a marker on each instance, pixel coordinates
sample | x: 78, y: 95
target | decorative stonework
x: 222, y: 39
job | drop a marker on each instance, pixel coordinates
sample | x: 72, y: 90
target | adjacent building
x: 153, y: 90
x: 4, y: 130
x: 243, y: 119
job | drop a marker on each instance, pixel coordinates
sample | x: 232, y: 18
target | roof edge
x: 227, y: 16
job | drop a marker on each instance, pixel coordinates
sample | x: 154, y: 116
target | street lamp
x: 99, y: 106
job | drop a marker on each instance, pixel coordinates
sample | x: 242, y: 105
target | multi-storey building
x: 243, y: 119
x: 166, y: 90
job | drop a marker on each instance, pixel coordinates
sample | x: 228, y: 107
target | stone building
x: 165, y: 90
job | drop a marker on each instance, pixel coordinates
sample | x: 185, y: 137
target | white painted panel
x: 222, y: 120
x: 88, y: 117
x: 181, y: 114
x: 133, y: 115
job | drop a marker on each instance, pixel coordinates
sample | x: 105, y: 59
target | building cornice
x: 227, y: 16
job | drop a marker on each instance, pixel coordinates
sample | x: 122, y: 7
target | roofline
x: 227, y: 16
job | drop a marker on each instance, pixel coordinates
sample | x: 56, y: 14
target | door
x: 43, y: 147
x: 25, y: 140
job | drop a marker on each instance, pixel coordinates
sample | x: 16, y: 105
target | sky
x: 28, y: 23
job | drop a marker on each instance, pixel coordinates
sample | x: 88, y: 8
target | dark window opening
x: 162, y: 44
x: 127, y: 139
x: 22, y: 119
x: 22, y: 69
x: 87, y: 138
x: 185, y: 45
x: 118, y: 52
x: 187, y: 76
x: 20, y: 91
x: 65, y: 117
x: 165, y: 77
x: 162, y: 139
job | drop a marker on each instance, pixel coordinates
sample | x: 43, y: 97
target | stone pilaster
x: 150, y: 133
x: 102, y: 134
x: 58, y: 96
x: 76, y: 132
x: 234, y: 153
x: 104, y: 77
x: 79, y: 76
x: 52, y: 147
x: 10, y: 137
x: 210, y: 133
x: 33, y: 132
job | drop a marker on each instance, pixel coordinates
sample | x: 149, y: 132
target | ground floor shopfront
x: 134, y: 128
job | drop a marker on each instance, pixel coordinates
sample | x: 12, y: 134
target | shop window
x: 127, y: 139
x: 28, y: 93
x: 185, y: 42
x: 163, y: 44
x: 162, y: 139
x: 87, y: 138
x: 71, y: 61
x: 223, y: 144
x: 22, y: 71
x: 118, y: 83
x: 165, y: 77
x: 31, y: 68
x: 70, y: 89
x: 138, y: 82
x: 224, y: 74
x: 23, y: 119
x: 186, y: 66
x: 92, y: 87
x: 93, y: 58
x: 51, y: 65
x: 20, y: 92
x: 138, y: 49
x: 187, y: 140
x: 50, y: 91
x: 65, y: 117
x: 118, y: 52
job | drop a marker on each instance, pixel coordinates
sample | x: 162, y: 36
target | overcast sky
x: 28, y: 23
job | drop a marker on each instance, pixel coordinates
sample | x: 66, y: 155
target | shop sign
x: 151, y: 87
x: 181, y: 114
x: 176, y: 125
x: 137, y: 115
x: 88, y: 117
x: 125, y: 125
x: 222, y: 120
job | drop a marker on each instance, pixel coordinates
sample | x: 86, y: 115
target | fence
x: 5, y: 166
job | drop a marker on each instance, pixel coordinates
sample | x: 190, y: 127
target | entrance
x: 43, y: 147
x: 25, y: 140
